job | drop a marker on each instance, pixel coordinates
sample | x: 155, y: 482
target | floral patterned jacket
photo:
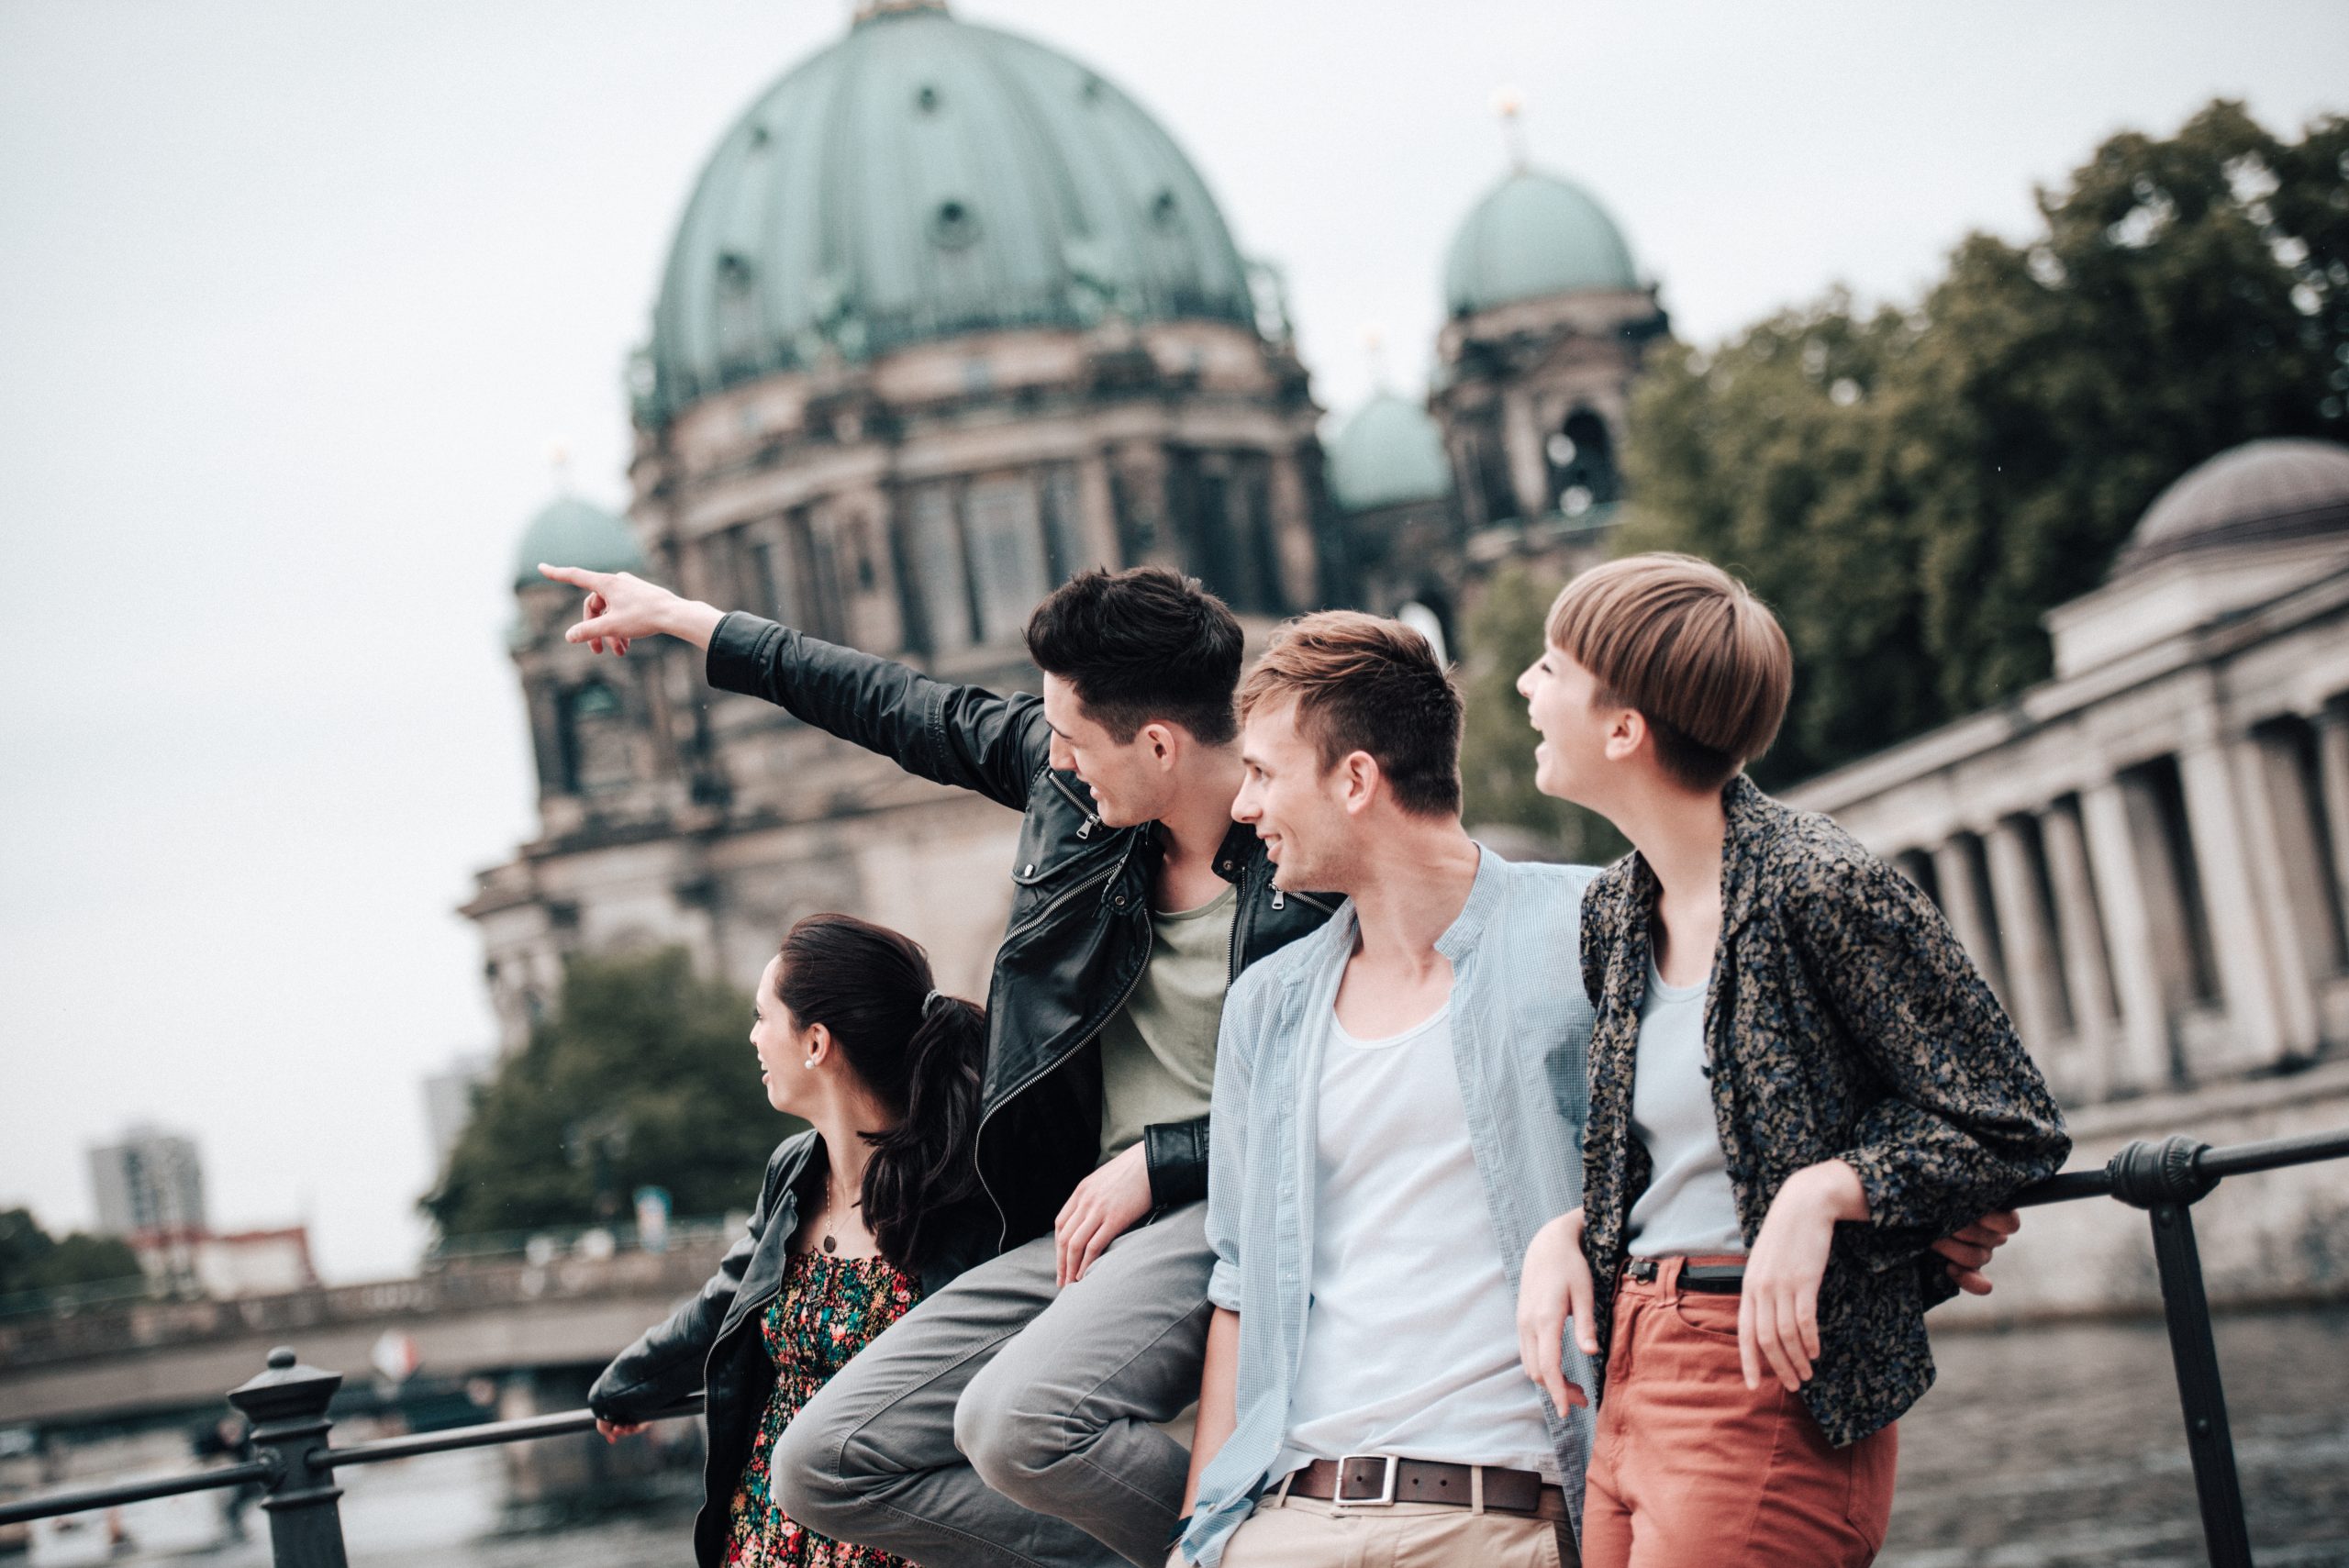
x: 1843, y: 1020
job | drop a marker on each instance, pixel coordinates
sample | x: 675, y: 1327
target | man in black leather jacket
x: 1012, y: 1418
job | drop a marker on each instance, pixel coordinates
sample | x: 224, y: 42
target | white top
x: 1411, y: 1340
x: 1689, y: 1209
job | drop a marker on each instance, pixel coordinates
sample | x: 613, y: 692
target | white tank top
x: 1410, y: 1342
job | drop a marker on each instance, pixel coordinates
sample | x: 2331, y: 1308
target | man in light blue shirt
x: 1398, y: 1108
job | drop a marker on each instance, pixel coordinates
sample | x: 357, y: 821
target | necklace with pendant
x: 831, y: 1242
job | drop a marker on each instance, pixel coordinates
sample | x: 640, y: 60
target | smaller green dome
x: 1533, y: 234
x: 1388, y: 454
x: 570, y: 532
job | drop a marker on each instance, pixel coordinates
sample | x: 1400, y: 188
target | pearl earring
x: 809, y: 1063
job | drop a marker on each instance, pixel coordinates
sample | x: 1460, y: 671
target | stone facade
x: 916, y: 506
x: 2148, y: 856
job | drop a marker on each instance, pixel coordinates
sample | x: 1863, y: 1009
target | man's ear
x: 1359, y: 777
x: 1164, y: 740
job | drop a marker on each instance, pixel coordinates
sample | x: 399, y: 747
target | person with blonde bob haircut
x: 1801, y: 1091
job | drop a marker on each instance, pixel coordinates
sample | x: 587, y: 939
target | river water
x: 2046, y: 1448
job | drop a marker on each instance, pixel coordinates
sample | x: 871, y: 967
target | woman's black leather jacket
x: 1079, y: 934
x: 712, y: 1342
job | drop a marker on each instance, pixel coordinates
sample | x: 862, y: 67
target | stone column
x: 2034, y: 980
x: 1960, y: 900
x: 1098, y: 508
x: 2126, y: 894
x: 2277, y: 789
x: 2223, y: 847
x: 1290, y: 504
x: 2086, y: 974
x: 1528, y: 467
x: 2333, y: 790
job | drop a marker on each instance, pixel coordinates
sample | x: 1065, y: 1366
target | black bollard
x: 2167, y: 1180
x: 287, y: 1406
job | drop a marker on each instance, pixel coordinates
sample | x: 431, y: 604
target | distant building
x: 253, y: 1262
x: 151, y: 1181
x: 449, y: 1101
x: 2148, y: 854
x: 949, y: 317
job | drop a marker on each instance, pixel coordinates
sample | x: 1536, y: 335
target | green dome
x: 926, y: 177
x: 1533, y: 234
x: 570, y: 532
x: 1388, y: 454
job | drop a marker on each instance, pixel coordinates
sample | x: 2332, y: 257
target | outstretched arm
x: 961, y: 736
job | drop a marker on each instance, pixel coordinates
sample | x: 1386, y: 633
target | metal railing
x: 294, y: 1462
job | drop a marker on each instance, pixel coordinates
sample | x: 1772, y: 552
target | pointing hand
x: 622, y: 606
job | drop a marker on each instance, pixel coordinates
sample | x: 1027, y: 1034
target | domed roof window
x: 926, y: 177
x: 570, y: 532
x: 2261, y: 492
x: 1388, y: 454
x: 1533, y: 235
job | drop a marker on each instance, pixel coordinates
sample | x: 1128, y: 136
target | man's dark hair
x: 1145, y: 644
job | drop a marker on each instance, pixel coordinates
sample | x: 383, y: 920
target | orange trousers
x: 1691, y: 1469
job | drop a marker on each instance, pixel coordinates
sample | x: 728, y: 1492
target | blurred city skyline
x: 294, y: 299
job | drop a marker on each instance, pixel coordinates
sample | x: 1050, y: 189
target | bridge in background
x: 482, y: 1316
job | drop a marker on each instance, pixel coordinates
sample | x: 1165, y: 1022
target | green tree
x: 1913, y: 489
x: 1503, y: 635
x: 31, y: 1259
x: 643, y: 1075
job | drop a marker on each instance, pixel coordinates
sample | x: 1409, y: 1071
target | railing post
x: 287, y: 1406
x: 2167, y: 1180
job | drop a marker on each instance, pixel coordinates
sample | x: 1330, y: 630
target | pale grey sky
x: 294, y: 295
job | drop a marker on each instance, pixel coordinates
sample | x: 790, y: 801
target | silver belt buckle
x: 1386, y: 1498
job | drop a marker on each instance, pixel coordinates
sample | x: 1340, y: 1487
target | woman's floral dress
x: 829, y: 1308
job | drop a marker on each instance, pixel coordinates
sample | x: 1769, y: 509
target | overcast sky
x: 295, y: 296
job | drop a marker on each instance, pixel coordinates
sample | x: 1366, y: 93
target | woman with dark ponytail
x: 859, y: 1217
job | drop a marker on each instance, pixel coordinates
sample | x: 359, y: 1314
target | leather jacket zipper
x: 1092, y: 817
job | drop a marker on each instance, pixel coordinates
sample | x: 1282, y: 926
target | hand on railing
x: 1967, y: 1252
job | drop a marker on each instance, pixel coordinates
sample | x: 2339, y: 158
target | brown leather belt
x: 1374, y: 1481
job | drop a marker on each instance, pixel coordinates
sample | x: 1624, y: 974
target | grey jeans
x: 1005, y: 1422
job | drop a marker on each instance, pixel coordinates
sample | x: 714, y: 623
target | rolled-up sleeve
x: 1228, y: 1145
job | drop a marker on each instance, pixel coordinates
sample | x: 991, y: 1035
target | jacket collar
x: 1240, y: 848
x: 1484, y: 894
x: 1753, y: 823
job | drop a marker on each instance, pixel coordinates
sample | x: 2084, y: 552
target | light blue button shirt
x: 1521, y: 1034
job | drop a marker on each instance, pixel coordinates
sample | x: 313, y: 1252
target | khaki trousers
x: 1307, y: 1532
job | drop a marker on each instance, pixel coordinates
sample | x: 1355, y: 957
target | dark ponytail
x: 918, y: 1051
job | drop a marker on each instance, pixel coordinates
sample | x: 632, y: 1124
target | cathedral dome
x: 926, y: 177
x: 1388, y: 454
x: 2261, y: 492
x: 570, y: 532
x: 1533, y: 234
